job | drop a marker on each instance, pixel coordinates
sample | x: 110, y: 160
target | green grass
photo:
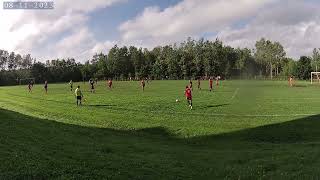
x: 242, y: 130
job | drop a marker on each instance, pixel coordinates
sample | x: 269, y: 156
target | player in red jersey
x: 143, y: 84
x: 210, y: 84
x: 110, y: 83
x: 188, y: 94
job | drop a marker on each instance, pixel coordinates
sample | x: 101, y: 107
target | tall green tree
x: 199, y: 59
x: 315, y: 63
x: 187, y: 57
x: 102, y: 68
x: 11, y: 61
x: 269, y: 54
x: 245, y: 63
x: 3, y: 59
x: 172, y: 57
x: 289, y: 68
x: 304, y: 67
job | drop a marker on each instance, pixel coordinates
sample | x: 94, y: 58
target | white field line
x: 293, y: 102
x: 249, y: 115
x: 278, y: 99
x: 235, y: 93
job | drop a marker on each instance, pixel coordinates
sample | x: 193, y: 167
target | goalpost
x: 315, y: 77
x: 26, y: 81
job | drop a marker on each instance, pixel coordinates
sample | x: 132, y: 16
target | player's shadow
x: 223, y: 91
x: 213, y: 106
x: 299, y: 85
x: 33, y: 148
x: 100, y: 105
x: 218, y: 105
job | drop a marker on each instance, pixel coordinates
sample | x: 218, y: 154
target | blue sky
x: 81, y: 28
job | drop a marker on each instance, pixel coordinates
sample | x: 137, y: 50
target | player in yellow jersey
x: 79, y: 96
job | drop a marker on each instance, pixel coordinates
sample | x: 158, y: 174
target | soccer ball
x: 177, y: 100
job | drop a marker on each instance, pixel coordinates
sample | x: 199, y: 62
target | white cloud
x: 295, y: 38
x: 295, y: 23
x: 48, y: 29
x: 35, y: 31
x: 188, y: 18
x: 103, y: 47
x: 64, y: 32
x: 76, y: 45
x: 9, y: 39
x: 81, y: 44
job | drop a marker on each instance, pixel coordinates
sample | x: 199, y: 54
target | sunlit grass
x: 244, y: 129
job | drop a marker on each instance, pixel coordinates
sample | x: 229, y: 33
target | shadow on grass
x: 299, y: 85
x: 218, y: 105
x: 212, y: 106
x: 99, y: 105
x: 32, y: 148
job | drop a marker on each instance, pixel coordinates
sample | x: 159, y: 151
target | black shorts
x: 46, y: 87
x: 79, y: 97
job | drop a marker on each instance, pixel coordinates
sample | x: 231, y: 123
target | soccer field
x: 242, y: 130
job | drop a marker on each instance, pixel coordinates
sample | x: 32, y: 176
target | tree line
x: 191, y: 59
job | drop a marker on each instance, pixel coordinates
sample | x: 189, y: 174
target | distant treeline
x: 189, y: 60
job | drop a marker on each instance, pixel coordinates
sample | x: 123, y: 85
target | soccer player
x: 46, y: 86
x: 91, y: 82
x: 210, y: 84
x: 79, y: 96
x: 188, y: 94
x: 217, y: 80
x: 30, y: 87
x: 143, y: 84
x: 291, y: 81
x: 71, y: 85
x: 110, y: 83
x: 199, y: 83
